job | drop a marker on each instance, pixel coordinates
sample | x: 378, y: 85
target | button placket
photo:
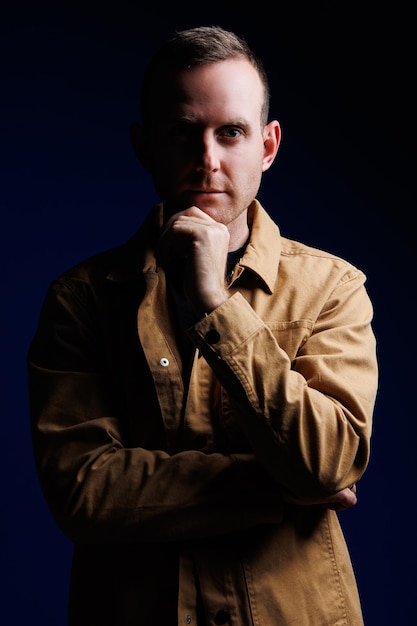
x: 163, y: 366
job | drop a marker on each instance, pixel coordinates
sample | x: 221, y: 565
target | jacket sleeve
x: 98, y: 488
x: 308, y: 419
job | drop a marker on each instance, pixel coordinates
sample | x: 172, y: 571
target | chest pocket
x: 290, y: 337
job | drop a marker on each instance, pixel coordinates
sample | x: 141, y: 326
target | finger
x: 181, y: 230
x: 174, y: 238
x: 344, y: 499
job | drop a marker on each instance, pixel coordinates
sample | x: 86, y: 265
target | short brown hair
x: 199, y: 46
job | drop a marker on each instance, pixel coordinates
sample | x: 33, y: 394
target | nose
x: 207, y: 154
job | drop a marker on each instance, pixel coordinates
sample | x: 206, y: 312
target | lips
x: 213, y: 191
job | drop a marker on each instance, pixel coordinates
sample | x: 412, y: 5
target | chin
x: 217, y: 214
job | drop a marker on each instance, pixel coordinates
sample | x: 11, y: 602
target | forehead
x: 232, y: 86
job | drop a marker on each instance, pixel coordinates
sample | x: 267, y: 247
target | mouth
x: 202, y: 194
x: 205, y: 191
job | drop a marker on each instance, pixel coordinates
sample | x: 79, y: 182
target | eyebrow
x: 195, y: 121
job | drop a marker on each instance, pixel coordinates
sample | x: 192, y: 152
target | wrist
x: 207, y: 306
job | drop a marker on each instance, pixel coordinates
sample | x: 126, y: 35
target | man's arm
x: 308, y: 421
x: 100, y: 488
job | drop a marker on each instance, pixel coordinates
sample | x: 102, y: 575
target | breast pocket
x: 291, y: 336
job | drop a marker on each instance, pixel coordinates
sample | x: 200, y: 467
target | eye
x: 231, y: 132
x: 181, y: 130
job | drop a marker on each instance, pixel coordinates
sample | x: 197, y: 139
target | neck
x: 238, y: 231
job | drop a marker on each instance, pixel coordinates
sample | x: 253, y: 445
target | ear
x: 139, y: 145
x: 272, y: 139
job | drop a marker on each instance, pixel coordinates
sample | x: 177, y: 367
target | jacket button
x: 164, y: 362
x: 222, y: 617
x: 212, y: 336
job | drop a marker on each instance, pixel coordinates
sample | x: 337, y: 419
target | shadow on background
x: 344, y: 180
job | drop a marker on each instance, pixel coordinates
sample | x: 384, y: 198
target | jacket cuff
x: 227, y: 327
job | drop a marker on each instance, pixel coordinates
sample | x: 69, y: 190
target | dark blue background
x: 342, y: 87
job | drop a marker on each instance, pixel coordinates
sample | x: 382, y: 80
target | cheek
x: 249, y: 181
x: 249, y: 162
x: 166, y: 164
x: 250, y: 172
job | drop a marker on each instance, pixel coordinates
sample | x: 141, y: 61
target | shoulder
x: 317, y: 262
x: 122, y: 264
x: 95, y: 268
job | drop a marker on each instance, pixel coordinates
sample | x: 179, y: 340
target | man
x: 202, y: 396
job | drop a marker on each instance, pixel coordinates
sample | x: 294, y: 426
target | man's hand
x: 344, y: 499
x: 339, y: 501
x: 195, y: 236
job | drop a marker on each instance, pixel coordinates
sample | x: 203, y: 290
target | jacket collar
x: 263, y: 251
x: 261, y: 256
x: 136, y: 256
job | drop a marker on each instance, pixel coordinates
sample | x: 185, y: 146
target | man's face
x: 205, y: 145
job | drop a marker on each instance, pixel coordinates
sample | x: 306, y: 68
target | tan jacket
x: 189, y: 502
